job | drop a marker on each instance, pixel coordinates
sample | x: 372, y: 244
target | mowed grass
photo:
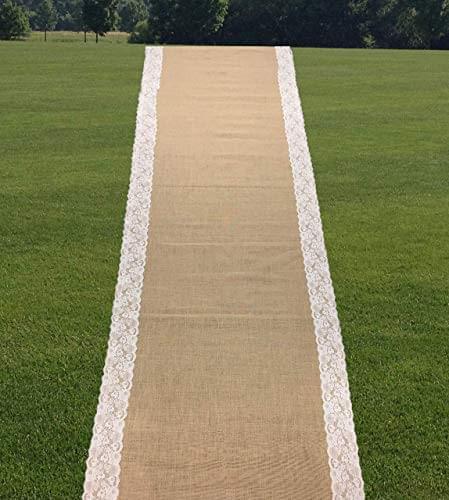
x: 66, y: 133
x: 378, y: 128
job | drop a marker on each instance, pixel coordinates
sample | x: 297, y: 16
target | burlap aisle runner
x: 225, y: 353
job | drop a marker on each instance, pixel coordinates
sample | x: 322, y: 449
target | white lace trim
x: 347, y: 482
x: 103, y: 465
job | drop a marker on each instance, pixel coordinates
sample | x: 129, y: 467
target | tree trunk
x: 85, y: 37
x: 96, y: 37
x: 45, y: 35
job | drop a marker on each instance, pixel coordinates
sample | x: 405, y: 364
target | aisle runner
x: 238, y: 339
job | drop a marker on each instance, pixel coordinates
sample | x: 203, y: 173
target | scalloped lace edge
x: 103, y: 464
x: 346, y: 476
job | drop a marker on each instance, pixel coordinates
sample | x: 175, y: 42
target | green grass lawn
x: 378, y: 127
x: 66, y: 133
x: 377, y: 124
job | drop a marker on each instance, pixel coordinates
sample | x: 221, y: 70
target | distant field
x: 72, y: 36
x: 378, y: 126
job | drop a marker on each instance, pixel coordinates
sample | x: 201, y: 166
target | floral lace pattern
x: 103, y: 463
x: 347, y: 482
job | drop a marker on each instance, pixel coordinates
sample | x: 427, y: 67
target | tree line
x: 19, y: 17
x: 320, y: 23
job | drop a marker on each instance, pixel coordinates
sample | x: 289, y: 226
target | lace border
x: 103, y: 464
x: 346, y: 476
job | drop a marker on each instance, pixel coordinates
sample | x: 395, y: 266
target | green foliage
x: 339, y: 23
x: 404, y: 23
x: 46, y: 16
x: 70, y: 15
x: 140, y: 33
x: 100, y: 16
x: 130, y: 13
x: 186, y: 21
x: 323, y: 23
x: 292, y: 22
x: 14, y: 21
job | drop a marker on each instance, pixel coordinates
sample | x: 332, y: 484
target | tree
x: 46, y: 17
x: 407, y: 23
x: 185, y: 21
x: 255, y: 22
x: 14, y: 21
x: 330, y: 23
x: 140, y: 33
x: 100, y: 16
x: 131, y: 12
x: 431, y: 21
